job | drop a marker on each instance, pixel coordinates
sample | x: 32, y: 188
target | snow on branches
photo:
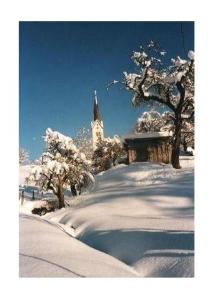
x: 191, y: 55
x: 83, y: 141
x: 108, y: 151
x: 153, y: 121
x: 187, y: 135
x: 23, y: 156
x: 156, y: 83
x: 62, y: 166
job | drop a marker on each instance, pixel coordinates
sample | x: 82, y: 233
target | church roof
x: 96, y: 108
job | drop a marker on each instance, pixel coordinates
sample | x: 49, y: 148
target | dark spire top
x: 96, y: 108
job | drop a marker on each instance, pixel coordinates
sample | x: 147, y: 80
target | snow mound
x: 46, y: 250
x: 139, y: 219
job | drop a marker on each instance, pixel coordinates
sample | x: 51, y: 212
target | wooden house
x: 152, y: 146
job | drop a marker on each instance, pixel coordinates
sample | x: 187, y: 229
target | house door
x: 141, y: 154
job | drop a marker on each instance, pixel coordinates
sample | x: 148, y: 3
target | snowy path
x: 140, y: 218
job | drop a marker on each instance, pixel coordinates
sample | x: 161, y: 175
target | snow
x: 147, y: 135
x: 41, y: 200
x: 162, y: 53
x: 191, y: 150
x: 23, y: 174
x: 141, y: 58
x: 179, y: 76
x: 131, y: 79
x: 114, y: 140
x: 138, y: 221
x: 178, y: 61
x: 29, y: 205
x: 191, y: 55
x: 153, y: 121
x: 48, y: 250
x: 58, y: 137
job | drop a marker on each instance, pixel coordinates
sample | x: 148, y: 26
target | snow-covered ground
x: 138, y: 221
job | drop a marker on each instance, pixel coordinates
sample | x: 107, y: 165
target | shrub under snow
x: 108, y: 151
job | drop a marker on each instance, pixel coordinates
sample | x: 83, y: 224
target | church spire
x: 96, y: 108
x: 97, y: 125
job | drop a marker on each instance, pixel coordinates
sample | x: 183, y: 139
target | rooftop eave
x: 147, y: 135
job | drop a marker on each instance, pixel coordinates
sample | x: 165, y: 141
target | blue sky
x: 62, y: 63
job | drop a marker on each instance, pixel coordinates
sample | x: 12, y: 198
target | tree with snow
x: 83, y: 141
x: 153, y: 121
x: 23, y: 156
x: 61, y: 166
x: 187, y: 135
x: 108, y: 151
x: 171, y: 86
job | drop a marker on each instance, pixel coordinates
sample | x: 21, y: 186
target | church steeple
x: 97, y: 124
x: 96, y: 108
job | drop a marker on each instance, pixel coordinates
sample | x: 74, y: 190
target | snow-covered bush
x: 43, y: 208
x: 23, y: 156
x: 187, y: 135
x: 153, y: 121
x: 169, y: 85
x: 62, y: 166
x: 108, y: 151
x: 83, y: 141
x: 190, y: 151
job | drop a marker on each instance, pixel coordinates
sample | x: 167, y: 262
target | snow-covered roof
x: 147, y: 135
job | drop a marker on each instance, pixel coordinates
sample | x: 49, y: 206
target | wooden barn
x: 152, y: 146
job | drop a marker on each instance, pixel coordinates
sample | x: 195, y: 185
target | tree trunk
x: 60, y: 195
x: 185, y: 146
x: 22, y: 197
x: 73, y: 190
x: 176, y: 144
x: 114, y: 159
x: 178, y: 127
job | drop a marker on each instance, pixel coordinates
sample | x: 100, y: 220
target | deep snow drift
x: 47, y: 250
x: 138, y: 221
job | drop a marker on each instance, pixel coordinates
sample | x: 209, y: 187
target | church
x: 97, y: 124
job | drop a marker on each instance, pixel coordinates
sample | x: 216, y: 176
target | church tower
x: 97, y: 124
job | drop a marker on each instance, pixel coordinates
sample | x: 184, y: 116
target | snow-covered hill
x: 138, y: 221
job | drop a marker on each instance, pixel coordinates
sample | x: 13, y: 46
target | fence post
x: 22, y: 197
